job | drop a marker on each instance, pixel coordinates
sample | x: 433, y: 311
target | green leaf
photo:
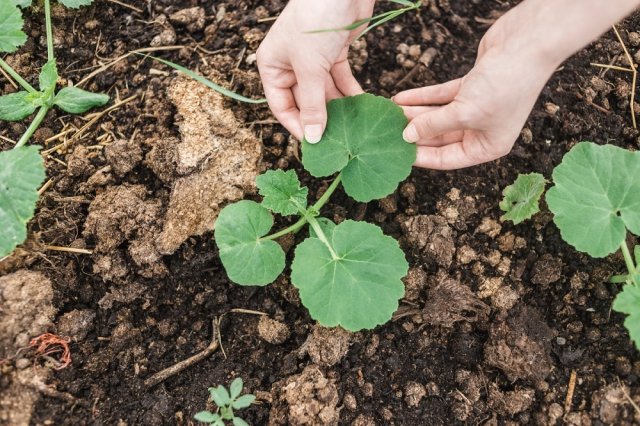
x: 75, y: 4
x: 237, y: 421
x: 11, y: 22
x: 16, y: 106
x: 596, y: 197
x: 21, y: 174
x: 636, y: 254
x: 78, y: 101
x: 243, y: 402
x: 220, y: 396
x: 282, y: 192
x: 210, y: 84
x: 247, y: 259
x: 236, y: 387
x: 363, y: 138
x: 628, y: 302
x: 22, y: 3
x: 358, y: 289
x: 326, y: 225
x: 521, y: 199
x: 48, y: 77
x: 206, y: 417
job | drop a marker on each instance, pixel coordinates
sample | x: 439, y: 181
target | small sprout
x: 522, y: 198
x: 227, y: 401
x: 281, y: 192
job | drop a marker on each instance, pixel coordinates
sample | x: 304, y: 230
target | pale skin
x: 460, y: 123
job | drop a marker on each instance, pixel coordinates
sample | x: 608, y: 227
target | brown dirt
x: 495, y: 319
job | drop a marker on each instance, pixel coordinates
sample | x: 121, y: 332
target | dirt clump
x: 431, y: 238
x: 123, y: 156
x: 414, y: 282
x: 512, y: 402
x: 450, y: 301
x: 521, y: 346
x: 413, y: 394
x: 272, y: 331
x: 76, y: 324
x: 546, y: 270
x: 327, y: 346
x: 305, y: 399
x: 217, y: 162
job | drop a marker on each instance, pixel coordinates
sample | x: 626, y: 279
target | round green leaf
x: 75, y: 4
x: 521, y: 198
x: 282, y: 192
x: 247, y: 259
x: 596, y: 197
x: 327, y: 226
x: 11, y: 34
x: 361, y: 287
x: 628, y: 302
x: 363, y: 138
x: 235, y: 388
x: 21, y: 174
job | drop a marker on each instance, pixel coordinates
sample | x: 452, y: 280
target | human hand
x: 301, y: 71
x: 477, y: 118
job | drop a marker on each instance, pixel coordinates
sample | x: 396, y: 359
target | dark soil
x: 496, y: 317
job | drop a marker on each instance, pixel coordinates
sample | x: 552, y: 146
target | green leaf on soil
x: 220, y: 396
x: 11, y: 22
x: 237, y: 421
x: 206, y: 417
x: 363, y: 138
x: 235, y: 388
x: 628, y: 302
x: 596, y: 197
x: 522, y: 198
x: 16, y: 106
x: 48, y: 77
x: 21, y: 174
x: 361, y: 287
x: 22, y: 3
x: 282, y: 192
x: 243, y: 402
x: 75, y: 4
x: 78, y: 101
x: 247, y: 259
x: 326, y: 225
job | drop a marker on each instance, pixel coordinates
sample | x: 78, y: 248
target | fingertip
x: 410, y: 134
x: 313, y: 133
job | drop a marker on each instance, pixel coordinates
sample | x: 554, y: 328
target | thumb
x: 436, y: 122
x: 311, y: 101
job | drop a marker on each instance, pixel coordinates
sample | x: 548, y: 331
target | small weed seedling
x: 21, y: 168
x: 348, y: 274
x: 595, y: 201
x: 227, y: 401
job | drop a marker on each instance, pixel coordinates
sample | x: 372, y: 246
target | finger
x: 331, y: 90
x: 446, y: 139
x: 311, y: 101
x: 454, y: 156
x: 284, y: 108
x: 344, y: 80
x: 434, y: 123
x: 412, y: 112
x: 430, y: 95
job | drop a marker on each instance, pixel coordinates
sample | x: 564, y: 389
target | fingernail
x: 410, y: 134
x: 313, y: 133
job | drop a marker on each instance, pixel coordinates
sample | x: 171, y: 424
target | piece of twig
x: 182, y: 365
x: 68, y: 249
x: 626, y: 395
x: 570, y: 389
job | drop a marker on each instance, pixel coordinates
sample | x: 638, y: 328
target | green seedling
x: 522, y: 198
x: 348, y: 274
x: 595, y: 201
x: 227, y: 401
x: 21, y: 168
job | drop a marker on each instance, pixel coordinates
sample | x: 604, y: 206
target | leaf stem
x: 321, y: 236
x: 47, y: 20
x: 303, y: 220
x: 21, y: 81
x: 42, y: 112
x: 631, y: 267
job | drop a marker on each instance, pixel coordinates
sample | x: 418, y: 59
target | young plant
x: 521, y: 199
x: 22, y: 168
x: 595, y: 201
x: 227, y: 401
x: 348, y: 274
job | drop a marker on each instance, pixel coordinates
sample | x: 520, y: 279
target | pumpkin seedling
x: 349, y: 274
x: 22, y: 168
x: 595, y: 203
x: 227, y: 401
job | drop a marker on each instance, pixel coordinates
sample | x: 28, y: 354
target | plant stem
x: 21, y: 81
x: 42, y: 112
x: 303, y: 220
x: 47, y: 20
x: 321, y: 236
x: 627, y: 258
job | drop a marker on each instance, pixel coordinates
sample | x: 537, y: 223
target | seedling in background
x: 522, y: 198
x: 227, y: 401
x: 595, y: 201
x: 21, y: 168
x: 348, y: 274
